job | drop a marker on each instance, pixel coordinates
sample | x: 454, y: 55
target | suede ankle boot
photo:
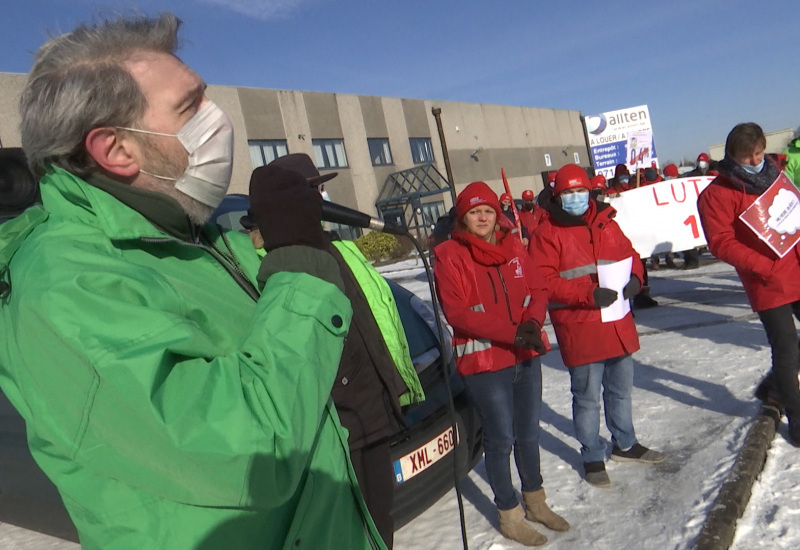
x: 513, y: 526
x: 536, y: 509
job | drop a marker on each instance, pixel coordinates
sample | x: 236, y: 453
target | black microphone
x: 336, y: 213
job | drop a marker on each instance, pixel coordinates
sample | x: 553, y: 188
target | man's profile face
x: 173, y: 93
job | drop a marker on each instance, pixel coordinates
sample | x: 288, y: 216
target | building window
x: 379, y: 151
x: 547, y: 161
x: 329, y: 153
x: 264, y: 151
x: 577, y: 158
x: 421, y: 150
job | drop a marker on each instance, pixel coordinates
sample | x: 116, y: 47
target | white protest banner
x: 662, y: 217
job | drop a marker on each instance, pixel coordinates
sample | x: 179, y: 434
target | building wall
x: 10, y: 89
x: 481, y: 138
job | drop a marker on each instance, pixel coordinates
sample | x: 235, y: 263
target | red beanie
x: 702, y: 156
x: 598, y: 181
x: 476, y: 194
x: 671, y: 170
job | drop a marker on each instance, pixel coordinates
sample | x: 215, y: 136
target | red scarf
x: 486, y: 253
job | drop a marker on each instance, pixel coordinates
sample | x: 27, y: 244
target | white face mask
x: 753, y: 169
x: 208, y: 138
x: 703, y: 164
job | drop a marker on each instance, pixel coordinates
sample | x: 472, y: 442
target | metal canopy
x: 399, y: 201
x: 408, y: 186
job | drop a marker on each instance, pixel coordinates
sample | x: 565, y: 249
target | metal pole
x: 437, y: 114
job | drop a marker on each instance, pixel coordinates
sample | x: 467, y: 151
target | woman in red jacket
x: 772, y: 283
x: 579, y: 235
x: 496, y: 306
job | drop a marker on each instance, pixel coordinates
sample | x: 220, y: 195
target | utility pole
x: 437, y: 114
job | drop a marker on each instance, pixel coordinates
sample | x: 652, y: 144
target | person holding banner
x: 591, y: 271
x: 771, y: 280
x: 508, y: 212
x: 496, y: 304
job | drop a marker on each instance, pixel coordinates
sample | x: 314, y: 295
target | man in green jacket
x: 175, y: 387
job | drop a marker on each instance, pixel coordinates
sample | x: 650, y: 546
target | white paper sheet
x: 615, y: 276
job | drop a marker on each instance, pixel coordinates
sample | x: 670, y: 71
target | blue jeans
x: 509, y: 403
x: 615, y: 376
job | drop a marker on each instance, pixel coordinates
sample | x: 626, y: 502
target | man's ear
x: 111, y: 152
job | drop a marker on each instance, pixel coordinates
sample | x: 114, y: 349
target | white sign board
x: 662, y: 217
x: 620, y: 137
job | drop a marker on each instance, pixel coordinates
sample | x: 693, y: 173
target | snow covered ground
x: 702, y: 352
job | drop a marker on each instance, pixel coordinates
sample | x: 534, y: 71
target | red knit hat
x: 527, y: 194
x: 571, y: 176
x: 598, y: 182
x: 476, y: 194
x: 702, y: 156
x: 506, y: 197
x: 671, y: 170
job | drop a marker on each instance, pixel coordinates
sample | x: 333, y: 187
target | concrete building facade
x: 367, y: 138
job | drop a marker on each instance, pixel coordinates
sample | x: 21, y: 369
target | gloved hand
x: 529, y: 336
x: 604, y: 297
x: 287, y: 210
x: 632, y: 288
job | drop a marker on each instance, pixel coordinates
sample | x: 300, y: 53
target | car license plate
x: 424, y: 456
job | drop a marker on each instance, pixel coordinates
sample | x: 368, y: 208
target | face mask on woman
x: 575, y: 204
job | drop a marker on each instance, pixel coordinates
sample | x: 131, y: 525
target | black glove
x: 604, y: 297
x: 529, y: 336
x: 632, y: 288
x: 287, y: 210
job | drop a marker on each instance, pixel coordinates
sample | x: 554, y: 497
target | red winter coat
x: 769, y: 281
x: 531, y: 220
x: 485, y: 303
x: 566, y: 257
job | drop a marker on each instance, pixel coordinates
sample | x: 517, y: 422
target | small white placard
x: 615, y: 276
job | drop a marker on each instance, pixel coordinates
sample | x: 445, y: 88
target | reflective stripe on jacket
x: 484, y: 305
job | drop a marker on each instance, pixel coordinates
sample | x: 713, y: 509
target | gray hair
x: 79, y: 82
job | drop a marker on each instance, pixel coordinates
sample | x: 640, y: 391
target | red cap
x: 702, y: 156
x: 571, y: 176
x: 506, y: 197
x: 551, y: 177
x: 598, y: 182
x: 527, y: 194
x: 671, y: 170
x: 476, y: 194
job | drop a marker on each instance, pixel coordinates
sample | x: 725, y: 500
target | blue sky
x: 700, y: 65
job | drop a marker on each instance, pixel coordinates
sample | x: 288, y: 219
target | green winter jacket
x: 792, y: 167
x: 172, y: 406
